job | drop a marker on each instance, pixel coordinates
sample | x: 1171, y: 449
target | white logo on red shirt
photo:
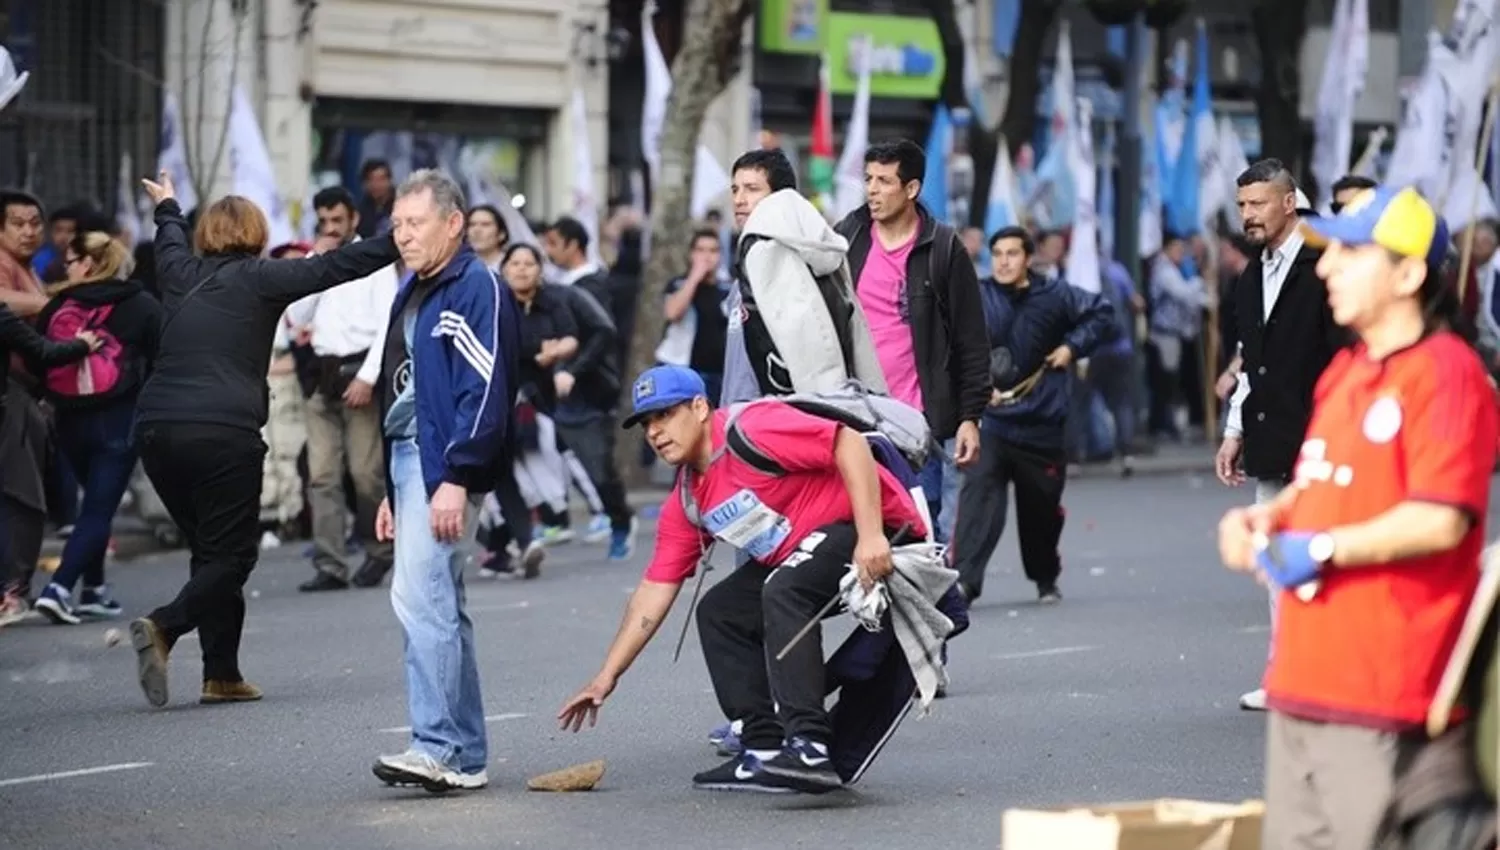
x: 1313, y: 466
x: 1383, y: 420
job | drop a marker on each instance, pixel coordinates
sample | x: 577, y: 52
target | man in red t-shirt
x: 829, y: 505
x: 1375, y: 546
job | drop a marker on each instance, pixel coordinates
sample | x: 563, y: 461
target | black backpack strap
x: 746, y: 451
x: 939, y: 263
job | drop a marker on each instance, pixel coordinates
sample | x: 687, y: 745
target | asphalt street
x: 1127, y: 690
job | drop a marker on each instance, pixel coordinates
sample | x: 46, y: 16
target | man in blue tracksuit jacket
x: 446, y: 394
x: 1038, y: 328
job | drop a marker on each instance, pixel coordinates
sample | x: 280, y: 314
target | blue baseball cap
x: 1399, y: 220
x: 660, y: 388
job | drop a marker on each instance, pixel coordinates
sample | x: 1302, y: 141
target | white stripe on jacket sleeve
x: 454, y: 325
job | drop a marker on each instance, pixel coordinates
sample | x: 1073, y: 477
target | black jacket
x: 18, y: 336
x: 596, y: 366
x: 215, y: 346
x: 1029, y: 323
x: 548, y: 316
x: 135, y: 322
x: 947, y: 319
x: 1283, y: 358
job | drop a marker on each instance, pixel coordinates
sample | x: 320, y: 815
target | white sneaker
x: 598, y: 530
x: 532, y: 558
x: 1254, y: 701
x: 473, y: 781
x: 416, y: 768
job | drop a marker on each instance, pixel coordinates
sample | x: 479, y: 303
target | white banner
x: 849, y: 179
x: 585, y: 206
x: 1344, y: 70
x: 173, y: 156
x: 658, y: 90
x: 11, y: 83
x: 251, y: 175
x: 710, y: 180
x: 1233, y: 163
x: 1151, y: 225
x: 127, y: 218
x: 1083, y: 248
x: 1440, y: 123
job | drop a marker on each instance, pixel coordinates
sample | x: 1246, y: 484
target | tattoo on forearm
x: 647, y: 623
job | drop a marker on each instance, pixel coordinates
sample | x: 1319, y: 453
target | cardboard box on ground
x: 1147, y: 825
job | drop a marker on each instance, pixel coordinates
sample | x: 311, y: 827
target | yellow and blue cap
x: 662, y: 388
x: 1398, y: 220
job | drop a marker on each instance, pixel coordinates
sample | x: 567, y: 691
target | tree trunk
x: 1279, y: 28
x: 1019, y: 122
x: 708, y: 59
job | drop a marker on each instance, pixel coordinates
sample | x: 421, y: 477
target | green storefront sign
x: 907, y: 60
x: 908, y: 51
x: 793, y: 26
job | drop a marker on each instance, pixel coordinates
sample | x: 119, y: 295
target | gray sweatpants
x: 1327, y: 784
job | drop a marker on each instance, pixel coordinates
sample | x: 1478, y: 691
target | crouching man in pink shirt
x: 804, y: 497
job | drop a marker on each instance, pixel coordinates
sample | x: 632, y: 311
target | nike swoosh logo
x: 814, y: 762
x: 743, y: 773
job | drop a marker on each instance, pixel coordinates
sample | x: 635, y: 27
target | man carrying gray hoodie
x: 794, y: 323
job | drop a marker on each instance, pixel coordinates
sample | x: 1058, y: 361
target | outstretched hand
x: 160, y: 189
x: 585, y: 705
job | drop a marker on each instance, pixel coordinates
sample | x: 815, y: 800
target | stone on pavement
x: 579, y: 777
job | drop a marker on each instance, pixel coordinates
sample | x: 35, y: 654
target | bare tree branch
x: 240, y: 15
x: 128, y: 66
x: 195, y: 125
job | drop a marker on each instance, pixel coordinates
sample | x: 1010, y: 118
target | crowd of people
x: 427, y: 373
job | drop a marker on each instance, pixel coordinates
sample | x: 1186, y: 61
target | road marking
x: 506, y: 606
x: 492, y: 718
x: 71, y: 774
x: 1043, y: 653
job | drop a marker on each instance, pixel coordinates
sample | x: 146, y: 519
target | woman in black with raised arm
x: 201, y: 413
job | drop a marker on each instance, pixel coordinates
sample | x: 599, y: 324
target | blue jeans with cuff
x: 427, y: 593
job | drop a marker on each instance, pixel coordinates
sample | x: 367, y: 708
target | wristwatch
x: 1320, y: 548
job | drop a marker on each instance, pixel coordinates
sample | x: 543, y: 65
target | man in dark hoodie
x: 919, y: 293
x: 1038, y: 327
x: 588, y: 385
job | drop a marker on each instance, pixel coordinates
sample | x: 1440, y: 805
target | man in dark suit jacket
x: 1286, y: 334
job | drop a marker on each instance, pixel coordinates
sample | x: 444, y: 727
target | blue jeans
x: 938, y: 477
x: 427, y: 593
x: 99, y: 445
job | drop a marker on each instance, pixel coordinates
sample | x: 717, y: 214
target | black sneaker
x: 1048, y: 594
x: 805, y: 766
x: 371, y: 573
x: 741, y: 773
x: 323, y: 582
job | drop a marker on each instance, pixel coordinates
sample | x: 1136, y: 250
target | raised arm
x: 177, y: 268
x: 285, y: 281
